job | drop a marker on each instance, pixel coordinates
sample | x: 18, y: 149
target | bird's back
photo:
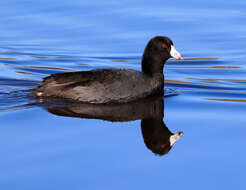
x: 99, y: 86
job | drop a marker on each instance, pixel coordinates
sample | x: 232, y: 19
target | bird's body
x: 102, y: 86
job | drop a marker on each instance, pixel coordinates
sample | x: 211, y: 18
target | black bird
x: 112, y: 85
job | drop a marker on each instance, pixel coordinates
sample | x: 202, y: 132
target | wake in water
x: 14, y: 95
x: 207, y: 78
x: 20, y: 99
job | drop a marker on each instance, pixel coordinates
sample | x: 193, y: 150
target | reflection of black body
x: 155, y: 133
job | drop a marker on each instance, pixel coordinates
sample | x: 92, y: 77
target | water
x: 40, y: 149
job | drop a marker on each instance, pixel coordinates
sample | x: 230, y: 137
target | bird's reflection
x: 157, y: 137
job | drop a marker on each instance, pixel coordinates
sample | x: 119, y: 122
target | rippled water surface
x: 59, y: 145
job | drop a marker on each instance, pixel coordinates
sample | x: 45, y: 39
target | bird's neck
x: 152, y: 66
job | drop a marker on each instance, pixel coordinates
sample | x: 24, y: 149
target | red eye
x: 163, y: 145
x: 164, y: 46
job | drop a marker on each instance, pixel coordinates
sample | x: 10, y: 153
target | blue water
x: 41, y: 150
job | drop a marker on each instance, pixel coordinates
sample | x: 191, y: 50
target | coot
x: 112, y: 85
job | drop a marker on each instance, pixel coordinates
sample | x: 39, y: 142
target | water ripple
x: 30, y: 68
